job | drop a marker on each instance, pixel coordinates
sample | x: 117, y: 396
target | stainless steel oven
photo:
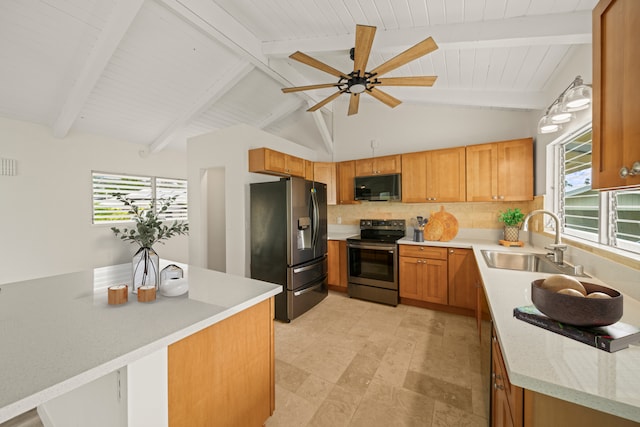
x: 373, y: 261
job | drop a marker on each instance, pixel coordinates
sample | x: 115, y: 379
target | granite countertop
x: 58, y: 333
x: 548, y: 363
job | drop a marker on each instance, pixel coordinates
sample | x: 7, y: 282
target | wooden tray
x: 433, y: 229
x: 509, y: 243
x: 450, y: 224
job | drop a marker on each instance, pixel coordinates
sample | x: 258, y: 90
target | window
x: 142, y: 189
x: 610, y: 218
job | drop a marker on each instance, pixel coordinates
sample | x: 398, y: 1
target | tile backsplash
x: 469, y: 215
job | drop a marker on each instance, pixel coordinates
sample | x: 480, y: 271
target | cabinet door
x: 346, y: 174
x: 463, y: 278
x: 333, y: 262
x: 294, y: 166
x: 410, y: 277
x: 446, y: 175
x: 364, y: 167
x: 414, y: 177
x: 434, y: 281
x: 482, y: 173
x: 326, y: 173
x: 343, y: 264
x: 309, y: 172
x: 616, y: 109
x: 515, y: 170
x: 387, y: 164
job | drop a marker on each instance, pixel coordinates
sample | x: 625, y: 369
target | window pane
x: 628, y: 219
x: 106, y: 207
x: 166, y: 188
x: 581, y: 203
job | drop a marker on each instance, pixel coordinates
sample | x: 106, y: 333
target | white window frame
x: 552, y: 202
x: 179, y: 214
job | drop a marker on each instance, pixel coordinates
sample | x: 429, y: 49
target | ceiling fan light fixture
x: 357, y: 84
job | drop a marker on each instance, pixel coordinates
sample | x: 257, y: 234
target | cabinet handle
x: 450, y: 251
x: 635, y: 170
x: 494, y: 197
x: 501, y: 197
x: 498, y: 386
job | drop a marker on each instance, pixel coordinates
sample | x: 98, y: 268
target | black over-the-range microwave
x: 378, y: 187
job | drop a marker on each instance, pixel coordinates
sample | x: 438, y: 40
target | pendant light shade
x: 558, y: 115
x: 578, y: 98
x: 546, y: 125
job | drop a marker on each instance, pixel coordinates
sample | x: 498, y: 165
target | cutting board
x: 433, y: 229
x: 449, y: 222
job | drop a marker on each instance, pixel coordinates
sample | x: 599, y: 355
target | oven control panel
x: 382, y: 224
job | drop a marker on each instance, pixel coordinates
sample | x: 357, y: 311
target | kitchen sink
x: 527, y: 261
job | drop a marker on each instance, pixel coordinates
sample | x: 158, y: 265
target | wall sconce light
x: 576, y: 97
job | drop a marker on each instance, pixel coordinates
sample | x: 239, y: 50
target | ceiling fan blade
x: 407, y: 81
x: 384, y: 97
x: 425, y: 46
x: 354, y: 102
x: 364, y: 41
x: 325, y: 101
x: 310, y: 87
x: 312, y: 62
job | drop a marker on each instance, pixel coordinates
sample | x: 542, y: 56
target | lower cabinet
x: 224, y: 375
x: 423, y: 273
x: 337, y: 265
x: 513, y: 406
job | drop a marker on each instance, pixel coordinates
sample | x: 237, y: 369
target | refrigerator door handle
x: 316, y: 218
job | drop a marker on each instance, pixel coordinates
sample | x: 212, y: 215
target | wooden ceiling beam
x: 115, y: 29
x: 552, y: 29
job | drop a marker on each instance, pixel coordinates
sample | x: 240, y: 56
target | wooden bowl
x: 576, y: 310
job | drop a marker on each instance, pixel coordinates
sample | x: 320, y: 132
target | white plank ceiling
x: 155, y: 72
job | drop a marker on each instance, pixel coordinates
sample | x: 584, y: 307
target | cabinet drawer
x: 423, y: 252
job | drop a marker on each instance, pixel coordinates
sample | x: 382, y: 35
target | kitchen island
x: 545, y: 364
x: 58, y: 333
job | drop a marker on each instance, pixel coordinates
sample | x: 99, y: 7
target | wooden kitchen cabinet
x: 507, y: 403
x: 224, y: 375
x: 271, y: 162
x: 326, y: 172
x: 309, y: 171
x: 337, y: 265
x: 464, y: 278
x: 616, y: 61
x: 423, y: 273
x: 379, y: 165
x: 346, y: 172
x: 436, y: 176
x: 500, y: 171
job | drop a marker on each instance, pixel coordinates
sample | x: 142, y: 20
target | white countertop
x: 548, y: 363
x: 58, y: 333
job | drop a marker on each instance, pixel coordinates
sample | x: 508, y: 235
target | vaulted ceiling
x: 156, y: 72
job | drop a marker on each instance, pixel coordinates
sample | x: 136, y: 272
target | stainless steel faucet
x: 557, y: 248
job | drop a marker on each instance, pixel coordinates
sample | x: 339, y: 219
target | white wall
x: 408, y: 128
x: 580, y: 63
x: 45, y: 210
x: 228, y: 149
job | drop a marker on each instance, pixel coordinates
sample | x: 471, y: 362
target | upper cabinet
x: 309, y: 171
x: 500, y: 171
x: 265, y: 160
x: 434, y: 176
x: 616, y: 110
x: 326, y: 173
x: 346, y: 172
x: 379, y: 165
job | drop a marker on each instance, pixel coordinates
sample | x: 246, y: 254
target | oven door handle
x: 304, y: 291
x: 390, y: 248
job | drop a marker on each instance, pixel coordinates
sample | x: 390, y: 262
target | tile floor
x: 349, y: 362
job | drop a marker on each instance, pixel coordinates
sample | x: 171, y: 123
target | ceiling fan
x: 361, y: 81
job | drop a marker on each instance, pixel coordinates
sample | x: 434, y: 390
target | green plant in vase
x: 511, y: 218
x: 149, y: 229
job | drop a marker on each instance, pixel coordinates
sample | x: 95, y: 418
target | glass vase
x: 146, y: 269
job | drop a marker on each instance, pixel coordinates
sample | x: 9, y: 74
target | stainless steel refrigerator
x: 289, y: 242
